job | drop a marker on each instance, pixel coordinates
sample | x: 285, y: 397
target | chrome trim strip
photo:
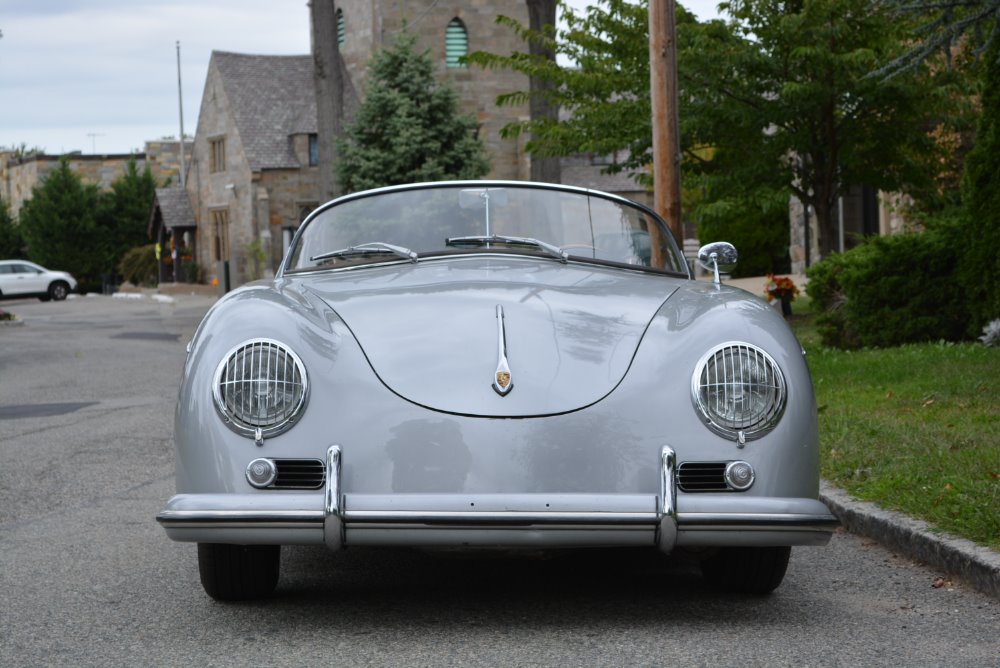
x: 685, y: 521
x: 503, y: 369
x: 689, y: 521
x: 241, y: 517
x: 513, y: 517
x: 667, y: 509
x: 333, y: 521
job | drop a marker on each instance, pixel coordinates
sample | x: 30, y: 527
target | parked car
x: 20, y: 279
x: 494, y: 364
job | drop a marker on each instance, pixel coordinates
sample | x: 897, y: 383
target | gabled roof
x: 174, y: 206
x: 271, y: 98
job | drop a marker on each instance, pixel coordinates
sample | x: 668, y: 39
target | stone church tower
x: 447, y: 29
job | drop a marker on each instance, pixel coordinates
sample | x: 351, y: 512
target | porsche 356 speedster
x: 494, y: 365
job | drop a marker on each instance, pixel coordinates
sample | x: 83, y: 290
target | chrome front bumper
x: 337, y: 519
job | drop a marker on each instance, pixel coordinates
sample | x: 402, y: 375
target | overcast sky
x: 101, y: 75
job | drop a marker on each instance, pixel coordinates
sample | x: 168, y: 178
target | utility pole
x: 542, y: 13
x: 93, y: 140
x: 180, y: 104
x: 666, y: 128
x: 329, y: 82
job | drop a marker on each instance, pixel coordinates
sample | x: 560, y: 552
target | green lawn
x: 914, y: 428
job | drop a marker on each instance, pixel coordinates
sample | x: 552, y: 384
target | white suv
x: 20, y: 278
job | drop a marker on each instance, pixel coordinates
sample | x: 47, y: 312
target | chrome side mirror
x: 717, y: 257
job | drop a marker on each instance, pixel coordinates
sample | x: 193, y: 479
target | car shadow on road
x: 383, y: 587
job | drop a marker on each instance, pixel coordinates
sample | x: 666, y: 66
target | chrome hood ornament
x: 502, y: 382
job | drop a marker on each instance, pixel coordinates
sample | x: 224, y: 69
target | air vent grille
x: 702, y: 477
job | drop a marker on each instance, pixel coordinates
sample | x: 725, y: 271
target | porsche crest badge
x: 502, y: 382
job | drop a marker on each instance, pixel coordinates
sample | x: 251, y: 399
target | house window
x: 340, y: 27
x: 456, y: 43
x: 313, y: 150
x: 220, y: 231
x: 217, y: 155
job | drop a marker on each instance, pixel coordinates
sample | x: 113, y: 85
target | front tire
x: 58, y: 291
x: 749, y: 570
x: 238, y: 572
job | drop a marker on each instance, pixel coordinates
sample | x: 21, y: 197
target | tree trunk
x: 540, y: 14
x: 329, y: 82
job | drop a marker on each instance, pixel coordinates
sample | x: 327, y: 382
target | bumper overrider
x: 336, y: 519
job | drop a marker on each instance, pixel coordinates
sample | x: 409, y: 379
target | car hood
x: 430, y: 330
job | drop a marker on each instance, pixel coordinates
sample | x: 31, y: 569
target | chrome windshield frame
x: 588, y: 192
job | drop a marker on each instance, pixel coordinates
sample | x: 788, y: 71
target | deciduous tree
x: 777, y: 99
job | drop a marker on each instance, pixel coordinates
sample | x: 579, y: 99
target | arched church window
x: 456, y: 43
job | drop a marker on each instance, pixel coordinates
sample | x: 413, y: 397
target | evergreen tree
x: 11, y: 243
x: 59, y: 225
x: 125, y: 212
x: 980, y: 237
x: 408, y: 128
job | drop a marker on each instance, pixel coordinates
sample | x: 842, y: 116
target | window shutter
x: 456, y: 43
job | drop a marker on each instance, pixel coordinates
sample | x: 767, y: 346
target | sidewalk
x: 755, y: 284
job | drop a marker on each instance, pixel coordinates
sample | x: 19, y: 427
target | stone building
x: 18, y: 176
x: 254, y: 174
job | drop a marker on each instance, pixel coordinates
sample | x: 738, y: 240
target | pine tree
x: 125, y: 213
x: 408, y: 128
x: 11, y: 243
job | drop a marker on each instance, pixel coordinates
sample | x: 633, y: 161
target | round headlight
x: 260, y: 384
x: 739, y: 390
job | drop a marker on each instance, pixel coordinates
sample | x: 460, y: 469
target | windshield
x: 464, y: 218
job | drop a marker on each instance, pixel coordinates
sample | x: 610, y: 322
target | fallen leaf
x: 947, y: 486
x: 928, y: 403
x: 890, y: 394
x: 940, y: 582
x: 994, y: 475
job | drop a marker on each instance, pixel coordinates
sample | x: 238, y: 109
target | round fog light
x: 261, y: 473
x: 739, y: 475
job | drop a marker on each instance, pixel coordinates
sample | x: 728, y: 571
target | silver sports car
x: 494, y: 364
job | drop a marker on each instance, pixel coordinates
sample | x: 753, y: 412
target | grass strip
x: 913, y: 429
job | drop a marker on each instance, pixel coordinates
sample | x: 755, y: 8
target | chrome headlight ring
x: 259, y: 388
x: 739, y: 391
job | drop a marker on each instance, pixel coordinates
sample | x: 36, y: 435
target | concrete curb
x: 978, y: 566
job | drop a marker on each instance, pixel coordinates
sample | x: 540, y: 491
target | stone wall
x: 19, y: 177
x: 164, y: 159
x: 228, y: 190
x: 290, y: 195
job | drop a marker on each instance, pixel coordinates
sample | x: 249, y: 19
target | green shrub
x: 890, y: 291
x: 138, y: 266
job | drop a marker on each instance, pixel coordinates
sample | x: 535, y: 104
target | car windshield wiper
x: 373, y: 248
x: 551, y: 249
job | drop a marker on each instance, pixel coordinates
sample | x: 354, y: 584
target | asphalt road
x: 88, y: 578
